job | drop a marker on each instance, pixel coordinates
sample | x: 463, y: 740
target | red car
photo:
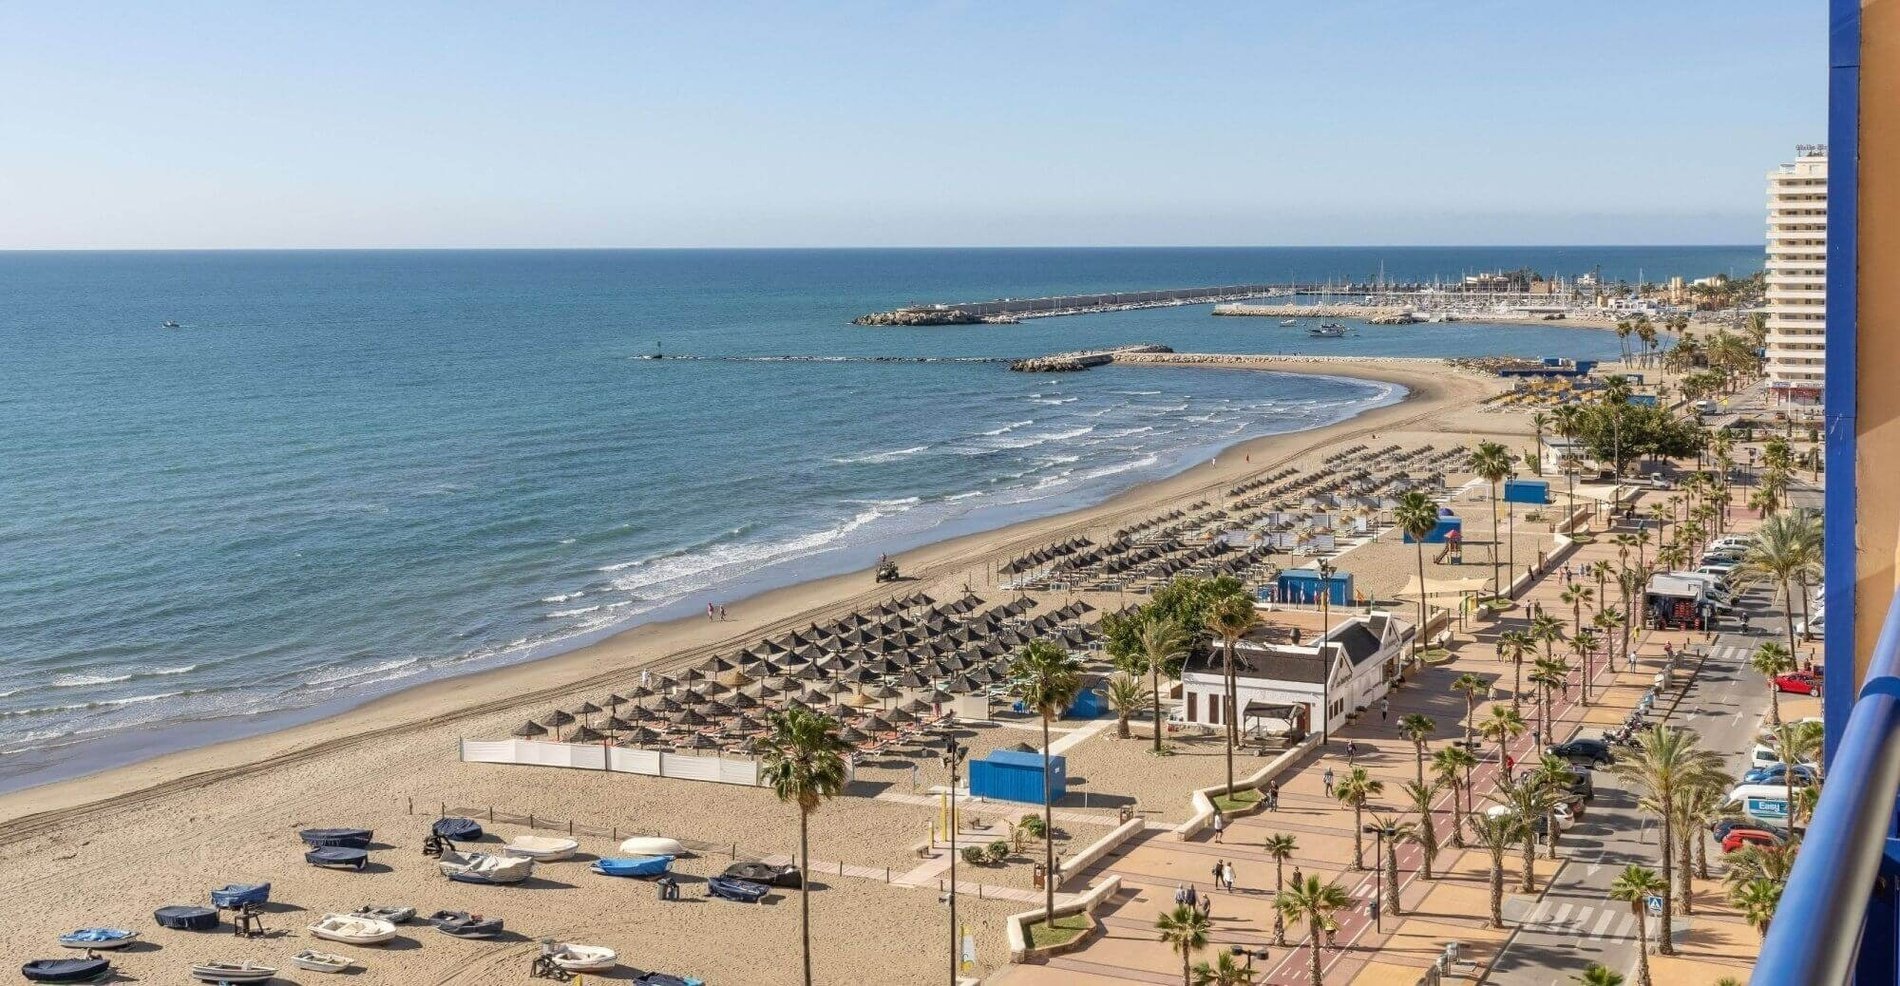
x: 1739, y: 837
x: 1798, y: 682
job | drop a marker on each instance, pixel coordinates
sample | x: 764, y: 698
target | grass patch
x: 1237, y: 801
x: 1066, y: 930
x: 1434, y: 655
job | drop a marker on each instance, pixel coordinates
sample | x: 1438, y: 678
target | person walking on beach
x: 709, y: 612
x: 1220, y: 826
x: 1328, y: 778
x: 1227, y: 874
x: 722, y: 612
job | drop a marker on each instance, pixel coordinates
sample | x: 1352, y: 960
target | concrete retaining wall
x: 1203, y: 799
x: 1086, y: 903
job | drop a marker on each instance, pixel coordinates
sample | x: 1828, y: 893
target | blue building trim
x: 1843, y: 131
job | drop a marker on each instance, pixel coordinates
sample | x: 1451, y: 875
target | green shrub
x: 997, y: 851
x: 972, y: 855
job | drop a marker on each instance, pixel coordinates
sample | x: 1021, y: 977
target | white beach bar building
x: 1283, y: 685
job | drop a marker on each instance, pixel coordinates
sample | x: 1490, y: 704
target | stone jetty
x: 920, y: 316
x: 1082, y: 360
x: 1369, y: 313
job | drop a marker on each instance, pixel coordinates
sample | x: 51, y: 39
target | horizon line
x: 913, y: 247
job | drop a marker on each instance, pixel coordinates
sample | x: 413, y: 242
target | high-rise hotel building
x: 1797, y: 275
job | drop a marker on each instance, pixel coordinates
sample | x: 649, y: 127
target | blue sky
x: 417, y: 124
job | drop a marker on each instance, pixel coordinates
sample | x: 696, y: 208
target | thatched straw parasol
x: 529, y: 730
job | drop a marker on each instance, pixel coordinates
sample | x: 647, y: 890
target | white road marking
x: 1603, y: 924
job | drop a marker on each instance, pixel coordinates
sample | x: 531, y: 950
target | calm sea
x: 353, y: 471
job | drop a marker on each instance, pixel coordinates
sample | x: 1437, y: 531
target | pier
x: 1006, y: 310
x: 1084, y: 359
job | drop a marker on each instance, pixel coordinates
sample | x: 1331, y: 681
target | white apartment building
x: 1797, y: 275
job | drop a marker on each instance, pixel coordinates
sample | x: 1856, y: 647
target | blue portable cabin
x: 1088, y: 704
x: 1302, y: 585
x: 1013, y: 775
x: 1532, y: 491
x: 1447, y: 523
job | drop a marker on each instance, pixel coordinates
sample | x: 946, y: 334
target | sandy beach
x: 83, y: 850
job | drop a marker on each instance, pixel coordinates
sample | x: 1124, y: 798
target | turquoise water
x: 351, y: 472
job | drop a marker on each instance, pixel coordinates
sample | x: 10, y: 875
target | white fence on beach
x: 593, y: 756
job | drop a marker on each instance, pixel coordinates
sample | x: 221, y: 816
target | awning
x: 1445, y: 588
x: 1262, y: 710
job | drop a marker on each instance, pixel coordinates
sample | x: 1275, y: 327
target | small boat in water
x: 352, y: 930
x: 317, y: 961
x: 86, y: 970
x: 462, y: 924
x: 233, y: 972
x: 98, y: 938
x: 1327, y: 330
x: 169, y: 324
x: 1289, y: 322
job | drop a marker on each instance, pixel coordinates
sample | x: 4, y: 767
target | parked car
x: 1582, y: 785
x: 1588, y: 752
x: 1764, y: 755
x: 1798, y: 683
x: 1739, y: 836
x: 1565, y: 813
x: 1775, y: 773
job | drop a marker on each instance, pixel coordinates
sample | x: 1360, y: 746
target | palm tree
x: 1664, y: 761
x: 1502, y: 726
x: 1783, y: 550
x: 1526, y: 800
x: 1420, y: 794
x: 1314, y: 903
x: 1047, y: 678
x: 1232, y: 620
x: 1583, y: 643
x: 1162, y: 641
x: 1636, y: 885
x: 1539, y: 422
x: 1496, y: 833
x: 1757, y: 900
x: 1597, y: 975
x: 1185, y: 930
x: 1281, y: 847
x: 1547, y: 676
x: 1512, y: 646
x: 1355, y: 789
x: 1418, y: 728
x: 1474, y: 688
x: 1794, y: 743
x: 1224, y: 971
x: 1754, y: 862
x: 1492, y: 462
x: 1768, y: 660
x: 1607, y: 620
x: 1697, y: 802
x: 1128, y: 696
x: 1552, y: 774
x: 804, y: 763
x: 1452, y: 765
x: 1395, y: 832
x: 1417, y: 515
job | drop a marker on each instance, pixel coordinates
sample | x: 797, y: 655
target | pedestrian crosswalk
x: 1586, y: 921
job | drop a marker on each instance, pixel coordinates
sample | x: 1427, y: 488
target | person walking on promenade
x: 1328, y: 778
x: 1227, y: 874
x: 1273, y: 796
x: 1220, y: 826
x: 1217, y: 871
x: 1352, y: 753
x: 1385, y: 709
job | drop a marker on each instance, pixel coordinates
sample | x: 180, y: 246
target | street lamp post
x: 1251, y: 954
x: 953, y: 754
x: 1380, y: 834
x: 1326, y: 570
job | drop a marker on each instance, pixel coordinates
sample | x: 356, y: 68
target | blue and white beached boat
x: 98, y: 938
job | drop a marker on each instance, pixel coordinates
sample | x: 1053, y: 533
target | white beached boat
x: 541, y: 848
x: 317, y: 961
x: 583, y: 958
x: 484, y: 868
x: 233, y: 972
x: 652, y: 845
x: 352, y: 930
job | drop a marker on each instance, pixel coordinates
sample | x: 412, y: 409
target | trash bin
x: 1126, y: 814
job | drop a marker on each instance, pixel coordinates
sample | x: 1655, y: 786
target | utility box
x: 1012, y: 775
x: 1533, y: 491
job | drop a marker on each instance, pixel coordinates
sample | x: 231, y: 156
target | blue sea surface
x: 348, y: 472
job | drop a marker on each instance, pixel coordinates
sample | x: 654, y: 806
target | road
x: 1575, y: 923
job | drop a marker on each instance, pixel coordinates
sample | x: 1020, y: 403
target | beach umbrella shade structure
x: 692, y: 696
x: 741, y: 700
x: 692, y: 675
x: 697, y: 741
x: 850, y: 734
x: 642, y: 736
x: 587, y: 710
x: 615, y: 724
x: 918, y: 706
x: 717, y: 664
x: 689, y: 717
x: 898, y: 716
x: 586, y: 734
x: 641, y: 692
x: 615, y: 700
x: 913, y: 679
x: 750, y: 746
x: 640, y: 713
x: 664, y: 682
x: 668, y: 703
x: 876, y: 724
x: 716, y: 709
x: 713, y: 688
x: 556, y: 720
x: 813, y: 698
x: 529, y: 730
x: 809, y: 672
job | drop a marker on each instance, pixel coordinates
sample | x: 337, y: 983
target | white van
x: 1744, y: 794
x: 1721, y: 570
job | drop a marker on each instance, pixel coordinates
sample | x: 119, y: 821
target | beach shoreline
x: 1430, y: 385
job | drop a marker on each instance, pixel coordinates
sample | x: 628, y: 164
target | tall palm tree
x: 1496, y: 834
x: 1356, y: 789
x: 1185, y: 929
x: 1664, y: 760
x: 1636, y: 885
x: 1421, y: 794
x: 1395, y: 832
x: 1128, y: 696
x: 804, y: 764
x: 1696, y: 804
x: 1512, y: 646
x: 1757, y: 900
x: 1492, y: 462
x: 1162, y: 642
x: 1473, y: 688
x: 1539, y: 423
x: 1417, y: 515
x: 1281, y: 848
x: 1047, y: 678
x: 1418, y: 728
x: 1769, y: 660
x: 1547, y: 676
x: 1783, y: 550
x: 1606, y: 621
x: 1796, y: 742
x: 1552, y: 774
x: 1313, y: 902
x: 1451, y: 766
x: 1502, y: 726
x: 1526, y: 799
x: 1577, y: 596
x: 1232, y: 620
x: 1583, y: 644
